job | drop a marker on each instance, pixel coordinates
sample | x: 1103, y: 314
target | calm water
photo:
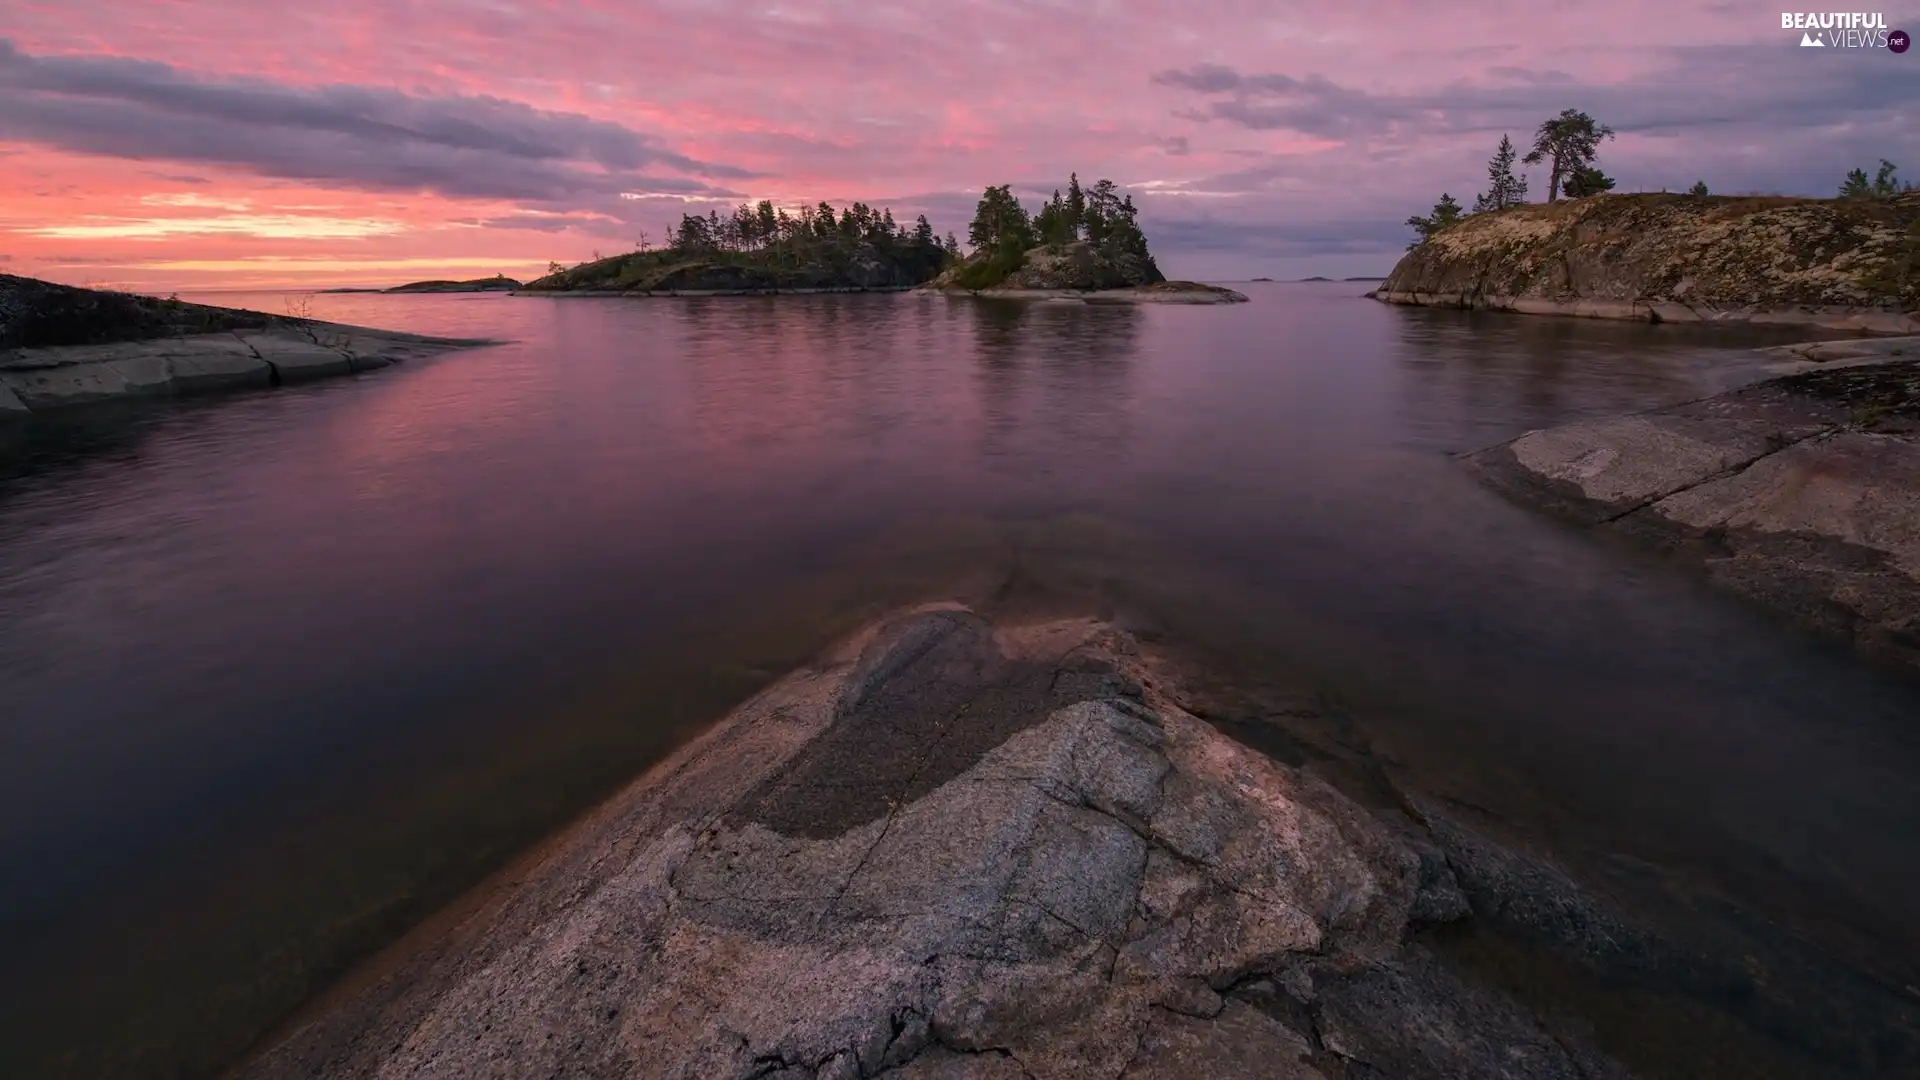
x: 282, y: 671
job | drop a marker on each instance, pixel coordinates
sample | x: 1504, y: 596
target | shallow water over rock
x: 286, y: 671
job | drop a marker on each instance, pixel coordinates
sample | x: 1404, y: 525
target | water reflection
x: 287, y: 669
x: 1490, y: 375
x: 1053, y: 375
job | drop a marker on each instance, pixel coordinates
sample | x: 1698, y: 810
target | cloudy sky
x: 161, y: 144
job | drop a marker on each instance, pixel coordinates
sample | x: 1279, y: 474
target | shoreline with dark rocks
x: 822, y: 290
x: 952, y: 850
x: 1179, y: 292
x: 1162, y: 292
x: 1838, y: 318
x: 62, y: 347
x: 1801, y: 492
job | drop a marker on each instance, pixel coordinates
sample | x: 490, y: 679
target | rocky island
x: 1083, y: 245
x: 62, y: 346
x: 497, y: 283
x: 955, y: 850
x: 1843, y: 263
x: 764, y: 250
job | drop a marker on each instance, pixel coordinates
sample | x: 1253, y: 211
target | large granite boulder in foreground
x: 1802, y: 492
x: 952, y: 851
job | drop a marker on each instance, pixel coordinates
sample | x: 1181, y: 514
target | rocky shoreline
x: 38, y: 380
x: 1802, y: 492
x: 823, y: 290
x: 955, y: 850
x: 63, y: 347
x: 1861, y: 320
x: 1164, y: 292
x: 1171, y: 292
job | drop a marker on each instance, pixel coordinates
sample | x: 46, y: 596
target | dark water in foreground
x: 282, y: 671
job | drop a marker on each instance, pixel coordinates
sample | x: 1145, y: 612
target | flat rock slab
x: 37, y: 379
x: 1802, y: 492
x: 950, y: 851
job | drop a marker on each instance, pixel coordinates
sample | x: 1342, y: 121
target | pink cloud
x: 1254, y: 136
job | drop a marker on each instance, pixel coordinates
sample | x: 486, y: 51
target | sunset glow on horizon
x: 196, y: 145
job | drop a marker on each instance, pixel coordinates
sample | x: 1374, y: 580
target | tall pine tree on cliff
x: 1569, y: 142
x: 1504, y: 189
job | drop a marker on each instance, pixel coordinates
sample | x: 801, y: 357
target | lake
x: 285, y: 672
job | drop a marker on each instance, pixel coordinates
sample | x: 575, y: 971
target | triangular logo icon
x: 1808, y: 41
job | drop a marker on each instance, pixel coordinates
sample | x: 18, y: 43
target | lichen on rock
x: 1851, y: 263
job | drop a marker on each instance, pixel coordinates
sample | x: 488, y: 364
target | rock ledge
x: 952, y: 851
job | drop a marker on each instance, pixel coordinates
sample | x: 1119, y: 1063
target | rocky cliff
x: 1840, y: 263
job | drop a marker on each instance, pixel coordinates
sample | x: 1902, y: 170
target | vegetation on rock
x: 1569, y: 143
x: 1083, y: 239
x: 1446, y: 214
x: 1504, y: 189
x: 496, y: 283
x: 761, y: 248
x: 1700, y: 251
x: 1585, y: 181
x: 40, y: 314
x: 1884, y: 185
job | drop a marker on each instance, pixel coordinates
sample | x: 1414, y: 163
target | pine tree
x: 1699, y: 188
x: 1000, y: 222
x: 1446, y: 212
x: 1504, y: 189
x: 1076, y: 206
x: 1884, y: 185
x: 1570, y: 142
x: 1587, y: 180
x: 1102, y: 205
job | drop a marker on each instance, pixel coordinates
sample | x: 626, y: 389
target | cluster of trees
x: 1568, y: 143
x: 764, y: 227
x: 1884, y: 185
x: 1099, y: 215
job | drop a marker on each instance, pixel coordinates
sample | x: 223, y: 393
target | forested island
x: 760, y: 248
x: 1085, y: 241
x: 496, y: 283
x: 1080, y: 242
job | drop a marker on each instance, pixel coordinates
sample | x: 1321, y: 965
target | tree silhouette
x: 1569, y: 142
x: 1504, y: 189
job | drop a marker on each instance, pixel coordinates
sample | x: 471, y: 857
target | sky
x: 161, y: 145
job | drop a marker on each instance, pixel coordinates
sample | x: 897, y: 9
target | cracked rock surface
x: 951, y: 851
x: 1802, y: 492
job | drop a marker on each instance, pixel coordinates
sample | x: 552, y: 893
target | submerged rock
x: 1802, y: 492
x: 950, y: 851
